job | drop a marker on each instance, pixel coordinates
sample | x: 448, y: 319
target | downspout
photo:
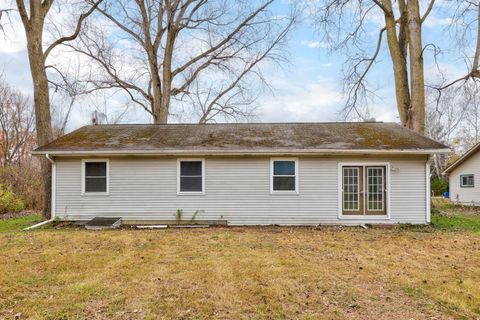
x: 54, y: 189
x: 427, y: 191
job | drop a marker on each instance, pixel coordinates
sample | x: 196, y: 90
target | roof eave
x: 462, y: 159
x: 240, y: 152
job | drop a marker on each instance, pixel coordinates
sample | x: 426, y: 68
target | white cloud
x: 443, y: 72
x: 13, y: 38
x: 300, y: 100
x: 385, y: 112
x: 433, y: 21
x: 314, y: 44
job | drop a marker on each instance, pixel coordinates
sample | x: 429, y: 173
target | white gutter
x: 245, y: 152
x: 52, y: 204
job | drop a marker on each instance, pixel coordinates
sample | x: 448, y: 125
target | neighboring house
x: 244, y: 174
x: 463, y: 176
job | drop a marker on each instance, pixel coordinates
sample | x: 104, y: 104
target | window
x: 95, y: 176
x: 467, y: 181
x: 363, y: 190
x: 191, y: 176
x: 284, y: 176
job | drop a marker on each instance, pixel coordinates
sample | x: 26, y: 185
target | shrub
x: 438, y: 186
x: 25, y: 182
x: 9, y: 202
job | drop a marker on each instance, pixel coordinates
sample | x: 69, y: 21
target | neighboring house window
x: 191, y: 176
x: 363, y: 189
x: 95, y: 176
x: 284, y: 175
x: 467, y: 181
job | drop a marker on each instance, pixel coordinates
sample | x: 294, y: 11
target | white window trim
x: 83, y: 178
x: 296, y: 191
x: 183, y: 193
x: 340, y: 187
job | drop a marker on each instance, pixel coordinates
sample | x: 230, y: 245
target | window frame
x: 179, y: 169
x: 467, y: 186
x: 105, y: 193
x: 296, y: 191
x: 342, y: 216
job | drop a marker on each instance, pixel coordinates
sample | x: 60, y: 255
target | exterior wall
x: 466, y: 195
x: 236, y: 189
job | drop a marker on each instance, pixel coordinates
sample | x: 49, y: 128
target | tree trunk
x: 396, y: 48
x: 157, y: 96
x: 42, y: 108
x: 161, y: 115
x: 417, y: 79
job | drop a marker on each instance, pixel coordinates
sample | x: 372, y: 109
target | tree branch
x: 224, y: 41
x: 427, y: 12
x: 74, y: 35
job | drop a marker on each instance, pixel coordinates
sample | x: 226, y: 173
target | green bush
x: 9, y: 202
x: 438, y: 186
x: 25, y: 181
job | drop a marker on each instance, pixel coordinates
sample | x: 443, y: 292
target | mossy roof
x: 244, y: 137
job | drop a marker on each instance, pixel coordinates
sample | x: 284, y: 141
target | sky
x: 307, y: 88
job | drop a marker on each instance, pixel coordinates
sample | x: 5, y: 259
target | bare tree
x: 466, y: 31
x: 4, y: 16
x: 469, y: 134
x: 403, y: 33
x: 16, y: 126
x: 162, y: 49
x: 445, y: 120
x: 33, y: 15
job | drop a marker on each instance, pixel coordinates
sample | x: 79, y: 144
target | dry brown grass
x: 231, y: 273
x: 447, y: 207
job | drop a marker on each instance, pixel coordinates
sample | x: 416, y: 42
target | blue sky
x: 308, y: 88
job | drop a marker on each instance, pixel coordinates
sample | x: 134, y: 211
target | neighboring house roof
x: 462, y: 159
x: 243, y: 138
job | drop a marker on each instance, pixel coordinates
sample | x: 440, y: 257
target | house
x: 244, y: 174
x: 463, y: 176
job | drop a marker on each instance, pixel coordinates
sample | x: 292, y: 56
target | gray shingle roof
x: 244, y: 138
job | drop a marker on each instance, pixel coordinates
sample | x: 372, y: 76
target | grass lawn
x: 19, y: 223
x: 231, y: 273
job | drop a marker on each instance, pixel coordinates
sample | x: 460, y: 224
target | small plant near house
x: 194, y: 216
x: 180, y: 214
x: 9, y: 202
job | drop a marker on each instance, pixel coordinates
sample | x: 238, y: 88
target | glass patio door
x: 364, y: 190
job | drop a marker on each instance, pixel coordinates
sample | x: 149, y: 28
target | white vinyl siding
x: 464, y: 194
x: 237, y: 190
